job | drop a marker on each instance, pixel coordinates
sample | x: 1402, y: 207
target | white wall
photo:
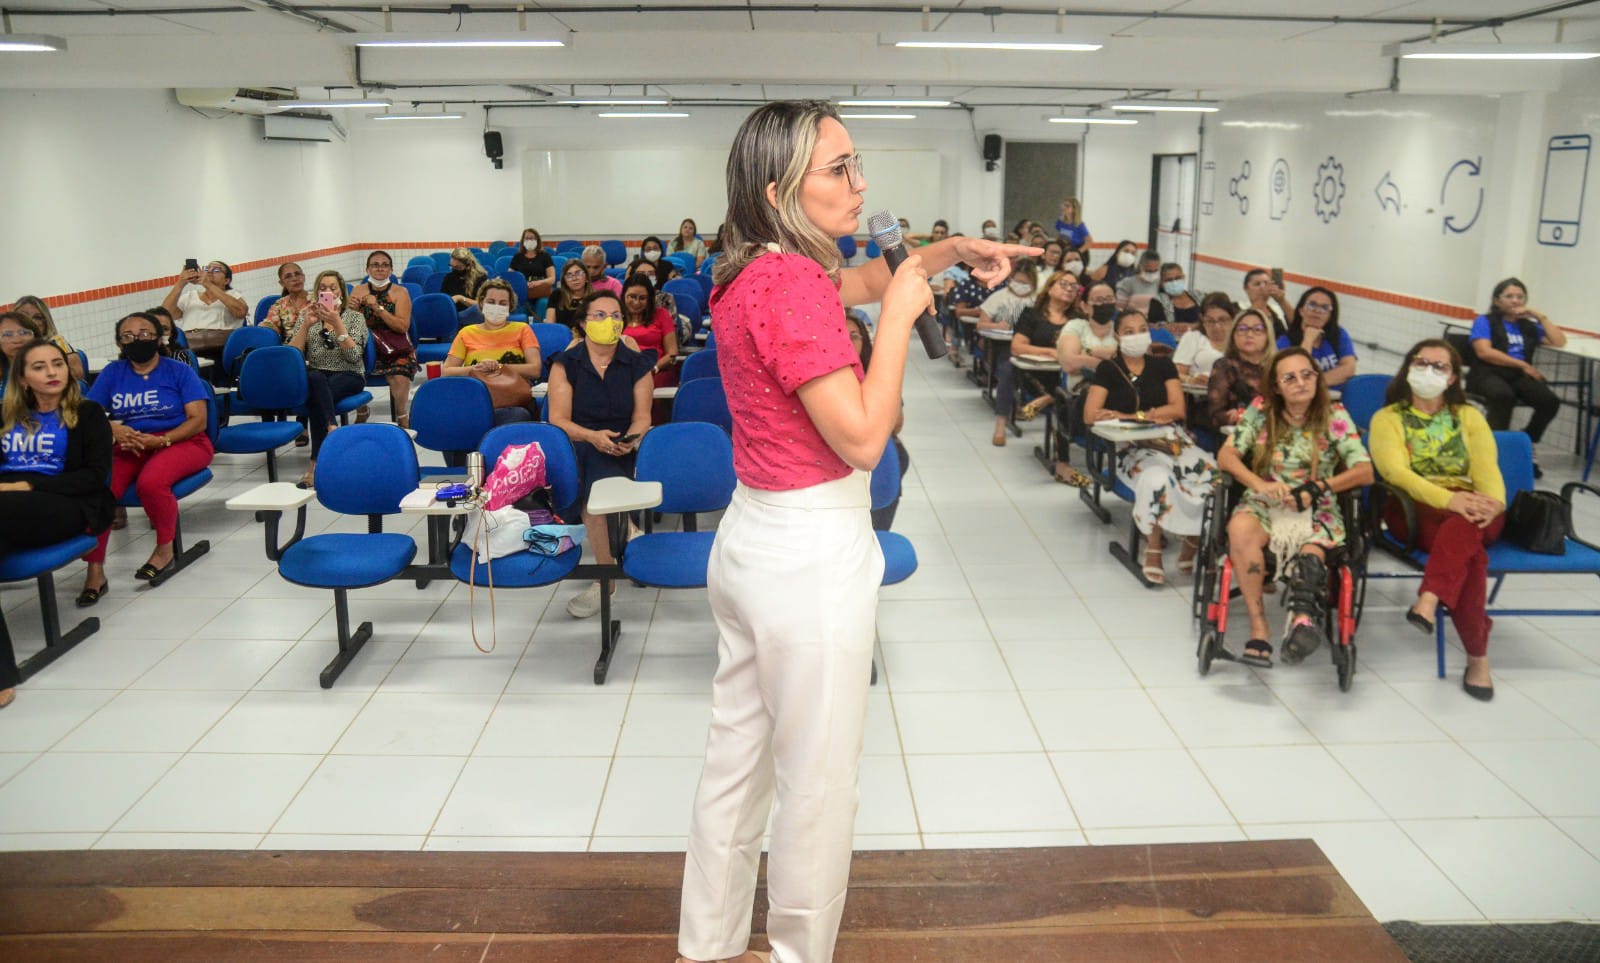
x: 1116, y: 173
x: 1559, y: 277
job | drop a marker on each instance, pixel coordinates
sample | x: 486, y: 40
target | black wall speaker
x: 991, y: 147
x: 493, y: 146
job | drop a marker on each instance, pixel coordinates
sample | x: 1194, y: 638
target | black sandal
x: 1257, y: 652
x: 89, y: 596
x: 1415, y: 618
x: 147, y: 572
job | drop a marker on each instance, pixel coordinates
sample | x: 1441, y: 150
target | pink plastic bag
x: 519, y: 470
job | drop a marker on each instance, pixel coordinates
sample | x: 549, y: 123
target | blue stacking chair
x: 559, y: 261
x: 182, y: 558
x: 683, y: 259
x: 872, y: 250
x: 570, y: 247
x: 694, y: 464
x: 1163, y: 336
x: 241, y: 342
x: 348, y: 483
x: 421, y: 260
x: 553, y: 339
x: 418, y: 273
x: 616, y: 252
x: 263, y: 306
x: 441, y: 262
x: 619, y: 273
x: 497, y: 248
x: 414, y: 289
x: 481, y: 253
x: 847, y: 247
x: 689, y: 307
x: 40, y: 564
x: 519, y: 286
x: 701, y: 364
x: 679, y: 287
x: 702, y: 400
x: 451, y: 416
x: 435, y: 322
x: 433, y: 284
x: 272, y: 383
x: 899, y: 557
x: 711, y: 341
x: 709, y: 263
x: 706, y: 284
x: 502, y: 262
x: 1362, y: 396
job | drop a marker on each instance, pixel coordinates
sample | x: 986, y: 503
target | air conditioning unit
x: 239, y: 100
x: 300, y: 127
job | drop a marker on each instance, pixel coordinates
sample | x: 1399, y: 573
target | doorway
x: 1174, y: 180
x: 1038, y: 176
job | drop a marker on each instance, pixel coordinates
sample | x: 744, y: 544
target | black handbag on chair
x: 1537, y: 521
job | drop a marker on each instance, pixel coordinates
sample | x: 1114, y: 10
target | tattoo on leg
x: 1254, y: 569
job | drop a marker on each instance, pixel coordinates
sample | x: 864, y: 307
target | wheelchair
x: 1214, y: 586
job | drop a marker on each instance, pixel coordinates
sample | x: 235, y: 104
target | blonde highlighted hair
x: 19, y: 405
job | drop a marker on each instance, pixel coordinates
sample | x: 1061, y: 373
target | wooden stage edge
x: 1278, y: 900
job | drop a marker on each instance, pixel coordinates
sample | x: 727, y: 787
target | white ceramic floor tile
x: 508, y: 844
x: 103, y: 663
x: 28, y: 842
x: 985, y: 794
x: 170, y: 612
x: 217, y: 793
x: 70, y: 792
x: 118, y: 840
x: 639, y: 844
x: 150, y: 721
x: 1370, y: 712
x: 1079, y: 663
x: 945, y: 667
x: 554, y: 724
x: 40, y: 717
x: 891, y: 842
x: 1098, y: 719
x: 1122, y: 789
x: 1559, y: 778
x: 1034, y: 619
x: 1171, y: 662
x: 1156, y: 835
x: 1229, y: 716
x: 883, y: 732
x: 1285, y: 784
x: 667, y: 784
x: 948, y: 620
x: 205, y: 663
x: 414, y: 724
x: 301, y: 667
x: 1586, y: 831
x: 1511, y: 715
x: 665, y: 725
x: 1018, y: 840
x: 958, y: 722
x: 1434, y: 780
x: 282, y: 619
x: 1574, y: 701
x: 457, y: 668
x: 294, y: 722
x: 525, y: 797
x: 946, y: 582
x: 340, y: 841
x: 12, y: 763
x: 1019, y: 582
x: 886, y: 806
x: 569, y: 667
x: 380, y: 795
x: 672, y: 671
x: 1513, y: 869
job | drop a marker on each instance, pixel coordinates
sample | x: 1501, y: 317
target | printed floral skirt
x: 1168, y: 490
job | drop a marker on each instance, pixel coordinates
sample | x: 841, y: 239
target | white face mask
x: 495, y: 312
x: 1073, y: 268
x: 1125, y: 259
x: 652, y: 255
x: 1021, y: 288
x: 530, y: 245
x: 1149, y: 277
x: 1135, y: 345
x: 378, y: 285
x: 991, y: 232
x: 1427, y: 383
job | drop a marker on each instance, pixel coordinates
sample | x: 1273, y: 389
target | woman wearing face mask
x: 533, y: 262
x: 157, y: 408
x: 1123, y: 263
x: 1169, y: 489
x: 1176, y: 306
x: 495, y: 345
x: 651, y: 328
x: 1294, y: 451
x: 1504, y: 339
x: 386, y: 309
x: 55, y: 455
x: 1432, y: 445
x: 600, y: 395
x: 651, y: 249
x: 990, y: 231
x: 999, y: 313
x: 35, y: 308
x: 1038, y: 335
x: 1236, y: 377
x: 1049, y: 262
x: 204, y: 300
x: 461, y: 284
x: 687, y: 240
x: 1316, y: 329
x: 1139, y: 289
x: 333, y: 337
x: 1070, y: 227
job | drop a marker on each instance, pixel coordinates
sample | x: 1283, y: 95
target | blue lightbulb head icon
x: 1278, y: 190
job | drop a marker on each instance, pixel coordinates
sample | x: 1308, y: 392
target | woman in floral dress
x: 1293, y: 450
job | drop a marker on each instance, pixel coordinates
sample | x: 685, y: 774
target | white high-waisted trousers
x: 793, y: 583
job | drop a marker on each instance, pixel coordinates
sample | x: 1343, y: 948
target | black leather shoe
x: 1415, y: 618
x: 1483, y: 693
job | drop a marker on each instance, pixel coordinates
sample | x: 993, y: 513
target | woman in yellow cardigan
x: 1432, y: 445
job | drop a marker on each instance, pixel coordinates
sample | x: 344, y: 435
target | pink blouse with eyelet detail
x: 779, y: 325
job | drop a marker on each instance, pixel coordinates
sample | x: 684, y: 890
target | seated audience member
x: 1123, y: 263
x: 1176, y: 306
x: 1049, y: 261
x: 688, y: 240
x: 1071, y: 229
x: 1432, y: 445
x: 594, y: 262
x: 653, y: 329
x: 333, y: 337
x: 1072, y: 263
x: 1038, y: 334
x: 600, y: 395
x: 1315, y: 328
x: 208, y: 308
x: 55, y: 456
x: 1236, y: 376
x: 990, y: 230
x: 16, y: 331
x: 1169, y: 489
x: 496, y: 347
x: 1200, y: 349
x: 651, y: 250
x: 386, y: 309
x: 939, y: 231
x: 293, y: 306
x: 1294, y: 450
x: 157, y: 408
x: 533, y: 262
x: 963, y: 302
x: 1266, y: 296
x: 1504, y: 339
x: 1137, y: 290
x: 647, y: 269
x: 861, y: 340
x: 999, y: 312
x: 35, y: 308
x: 714, y: 246
x: 1091, y: 337
x: 461, y: 284
x: 566, y: 306
x: 173, y: 344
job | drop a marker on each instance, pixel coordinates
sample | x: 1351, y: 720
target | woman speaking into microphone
x: 794, y: 571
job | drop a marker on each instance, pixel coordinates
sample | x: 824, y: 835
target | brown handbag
x: 507, y: 389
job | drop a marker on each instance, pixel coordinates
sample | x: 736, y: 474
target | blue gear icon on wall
x: 1330, y: 189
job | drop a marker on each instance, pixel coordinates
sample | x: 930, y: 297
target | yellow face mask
x: 603, y: 330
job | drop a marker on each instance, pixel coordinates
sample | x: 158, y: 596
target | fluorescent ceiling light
x: 447, y: 40
x: 983, y: 41
x: 1494, y: 51
x: 617, y: 114
x: 30, y: 43
x: 1119, y: 121
x: 894, y: 103
x: 327, y: 104
x: 617, y: 102
x: 879, y: 116
x: 417, y: 117
x: 1173, y: 106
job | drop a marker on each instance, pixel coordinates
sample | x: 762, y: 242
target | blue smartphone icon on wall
x: 1566, y: 170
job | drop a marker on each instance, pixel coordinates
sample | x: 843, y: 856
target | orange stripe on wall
x: 1441, y: 308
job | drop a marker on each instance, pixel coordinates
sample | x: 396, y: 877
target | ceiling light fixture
x: 418, y: 117
x: 447, y: 40
x: 1170, y: 106
x: 632, y: 114
x: 1118, y: 121
x: 1493, y: 51
x: 328, y: 104
x: 984, y: 41
x: 30, y: 43
x: 616, y: 102
x: 878, y: 116
x: 894, y: 103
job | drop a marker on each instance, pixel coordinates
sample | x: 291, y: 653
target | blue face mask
x: 1173, y: 288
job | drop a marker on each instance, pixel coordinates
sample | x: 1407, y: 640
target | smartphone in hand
x: 1277, y: 276
x: 328, y: 299
x: 625, y: 439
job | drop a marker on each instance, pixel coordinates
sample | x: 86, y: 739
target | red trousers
x: 1457, y: 569
x: 152, y: 474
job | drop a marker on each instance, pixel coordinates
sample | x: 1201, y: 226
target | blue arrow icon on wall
x: 1388, y: 194
x: 1473, y: 169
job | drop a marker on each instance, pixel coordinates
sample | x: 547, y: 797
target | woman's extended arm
x: 989, y: 259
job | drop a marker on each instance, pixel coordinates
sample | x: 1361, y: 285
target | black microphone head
x: 884, y: 229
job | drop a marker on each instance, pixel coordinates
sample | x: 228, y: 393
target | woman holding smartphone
x: 794, y: 571
x: 333, y: 337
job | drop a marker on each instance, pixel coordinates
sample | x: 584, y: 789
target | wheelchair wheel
x: 1207, y: 651
x: 1344, y: 661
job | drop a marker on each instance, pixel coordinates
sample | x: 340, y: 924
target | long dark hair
x: 638, y: 281
x: 1273, y: 406
x: 866, y: 338
x: 1330, y: 331
x: 1399, y: 390
x: 1494, y: 312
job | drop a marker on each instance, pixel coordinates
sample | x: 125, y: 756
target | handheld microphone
x: 885, y: 230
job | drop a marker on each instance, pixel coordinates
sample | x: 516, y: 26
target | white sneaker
x: 585, y: 604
